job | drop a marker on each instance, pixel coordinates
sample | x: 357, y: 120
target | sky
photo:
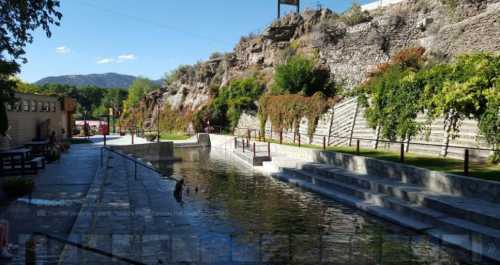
x: 147, y: 37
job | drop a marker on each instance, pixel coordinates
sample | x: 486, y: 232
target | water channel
x: 243, y: 216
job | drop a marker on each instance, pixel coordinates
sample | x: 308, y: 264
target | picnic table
x: 39, y: 147
x: 22, y: 157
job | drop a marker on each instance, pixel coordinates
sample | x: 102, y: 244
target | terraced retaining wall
x: 344, y: 123
x: 150, y: 151
x: 432, y: 180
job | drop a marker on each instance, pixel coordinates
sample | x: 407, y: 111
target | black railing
x: 135, y: 161
x: 327, y: 140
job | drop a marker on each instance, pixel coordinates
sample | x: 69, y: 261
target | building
x: 37, y: 116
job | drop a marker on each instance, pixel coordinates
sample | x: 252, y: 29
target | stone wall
x: 162, y: 151
x: 345, y: 123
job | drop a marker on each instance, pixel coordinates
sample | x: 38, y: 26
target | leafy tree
x: 226, y: 108
x: 137, y: 90
x: 19, y: 19
x: 299, y: 75
x: 459, y: 90
x: 392, y: 95
x: 489, y: 123
x: 114, y: 99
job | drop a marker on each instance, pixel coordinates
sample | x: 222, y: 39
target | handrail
x: 380, y: 140
x: 136, y: 162
x: 88, y: 248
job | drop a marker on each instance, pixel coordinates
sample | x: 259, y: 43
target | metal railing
x: 86, y: 248
x: 135, y: 161
x: 327, y: 141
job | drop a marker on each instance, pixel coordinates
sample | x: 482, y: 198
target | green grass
x: 174, y: 136
x: 488, y: 171
x: 80, y: 141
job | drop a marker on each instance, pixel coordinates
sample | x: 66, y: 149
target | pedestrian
x: 5, y: 247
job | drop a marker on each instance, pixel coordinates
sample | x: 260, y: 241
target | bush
x: 230, y: 102
x: 151, y: 137
x: 18, y: 187
x: 355, y: 16
x: 299, y: 75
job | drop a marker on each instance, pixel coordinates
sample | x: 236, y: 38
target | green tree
x: 137, y: 90
x: 19, y: 19
x: 392, y: 95
x: 226, y: 108
x: 299, y: 75
x: 460, y: 90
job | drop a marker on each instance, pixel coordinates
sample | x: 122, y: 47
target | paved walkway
x: 55, y: 203
x: 130, y: 216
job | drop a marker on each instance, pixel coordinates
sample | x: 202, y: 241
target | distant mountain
x: 108, y: 80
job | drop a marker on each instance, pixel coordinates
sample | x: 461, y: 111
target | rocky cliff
x: 349, y: 44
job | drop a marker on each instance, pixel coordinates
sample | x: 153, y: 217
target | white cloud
x: 126, y: 57
x: 119, y: 59
x: 105, y: 61
x: 63, y: 50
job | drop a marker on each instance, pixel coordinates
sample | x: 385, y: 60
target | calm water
x: 242, y: 216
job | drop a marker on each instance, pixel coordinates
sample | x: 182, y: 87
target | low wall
x: 431, y: 180
x: 150, y: 151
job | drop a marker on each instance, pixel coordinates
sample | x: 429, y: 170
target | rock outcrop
x: 444, y: 28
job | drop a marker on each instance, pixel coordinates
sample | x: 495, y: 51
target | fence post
x: 281, y: 136
x: 243, y: 144
x: 402, y: 154
x: 104, y: 139
x: 324, y: 143
x: 269, y: 149
x: 254, y: 152
x: 235, y: 143
x: 357, y: 146
x: 132, y: 137
x: 135, y: 170
x: 299, y: 139
x: 466, y: 162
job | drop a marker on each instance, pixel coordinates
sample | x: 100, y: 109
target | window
x: 46, y: 107
x: 40, y: 106
x: 26, y: 106
x: 9, y: 107
x: 17, y: 106
x: 33, y: 106
x: 53, y: 107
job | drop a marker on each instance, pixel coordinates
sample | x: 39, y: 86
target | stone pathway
x: 55, y: 203
x: 132, y: 216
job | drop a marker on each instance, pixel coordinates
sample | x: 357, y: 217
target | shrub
x: 230, y: 101
x: 151, y: 137
x: 299, y: 75
x: 18, y: 186
x: 285, y: 111
x: 355, y: 16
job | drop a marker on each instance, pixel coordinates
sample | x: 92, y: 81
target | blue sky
x: 147, y: 37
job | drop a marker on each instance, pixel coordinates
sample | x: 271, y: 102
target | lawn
x: 174, y: 136
x: 488, y: 171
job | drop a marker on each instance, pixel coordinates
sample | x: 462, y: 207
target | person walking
x: 4, y: 240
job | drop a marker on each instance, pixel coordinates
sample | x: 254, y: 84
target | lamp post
x: 158, y: 120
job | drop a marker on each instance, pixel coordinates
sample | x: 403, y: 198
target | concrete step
x: 400, y: 211
x: 473, y: 210
x: 391, y: 187
x: 369, y: 206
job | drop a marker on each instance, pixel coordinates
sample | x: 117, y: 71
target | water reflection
x: 266, y: 220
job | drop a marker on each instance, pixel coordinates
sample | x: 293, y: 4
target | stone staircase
x: 467, y: 223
